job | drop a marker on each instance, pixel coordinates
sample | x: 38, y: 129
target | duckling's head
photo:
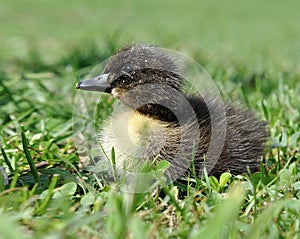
x: 140, y: 76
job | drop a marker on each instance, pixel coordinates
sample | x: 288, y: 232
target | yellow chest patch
x: 142, y: 129
x: 133, y: 135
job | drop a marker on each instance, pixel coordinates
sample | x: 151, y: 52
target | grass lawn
x: 250, y: 49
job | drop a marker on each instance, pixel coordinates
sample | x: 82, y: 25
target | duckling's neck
x: 158, y: 112
x: 197, y: 108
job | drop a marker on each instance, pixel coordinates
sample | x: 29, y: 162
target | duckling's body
x: 136, y: 136
x: 160, y: 122
x: 139, y: 136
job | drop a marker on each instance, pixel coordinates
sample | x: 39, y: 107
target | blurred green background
x: 263, y: 31
x: 250, y: 48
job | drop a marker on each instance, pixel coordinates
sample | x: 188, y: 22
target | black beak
x: 98, y: 83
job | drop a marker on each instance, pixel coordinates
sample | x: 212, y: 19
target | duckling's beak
x: 98, y: 83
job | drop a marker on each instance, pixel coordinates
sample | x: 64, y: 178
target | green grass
x: 251, y: 50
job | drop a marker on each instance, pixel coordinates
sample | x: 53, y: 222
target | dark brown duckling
x: 160, y: 122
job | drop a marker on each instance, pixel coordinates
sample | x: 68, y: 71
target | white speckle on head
x: 118, y: 93
x: 146, y: 61
x: 114, y: 93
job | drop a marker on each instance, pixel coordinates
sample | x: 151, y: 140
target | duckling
x: 158, y: 121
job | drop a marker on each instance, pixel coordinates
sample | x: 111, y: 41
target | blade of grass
x: 14, y: 181
x: 7, y: 161
x: 113, y: 161
x: 43, y: 206
x: 29, y: 159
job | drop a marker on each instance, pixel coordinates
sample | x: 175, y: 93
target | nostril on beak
x: 78, y: 85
